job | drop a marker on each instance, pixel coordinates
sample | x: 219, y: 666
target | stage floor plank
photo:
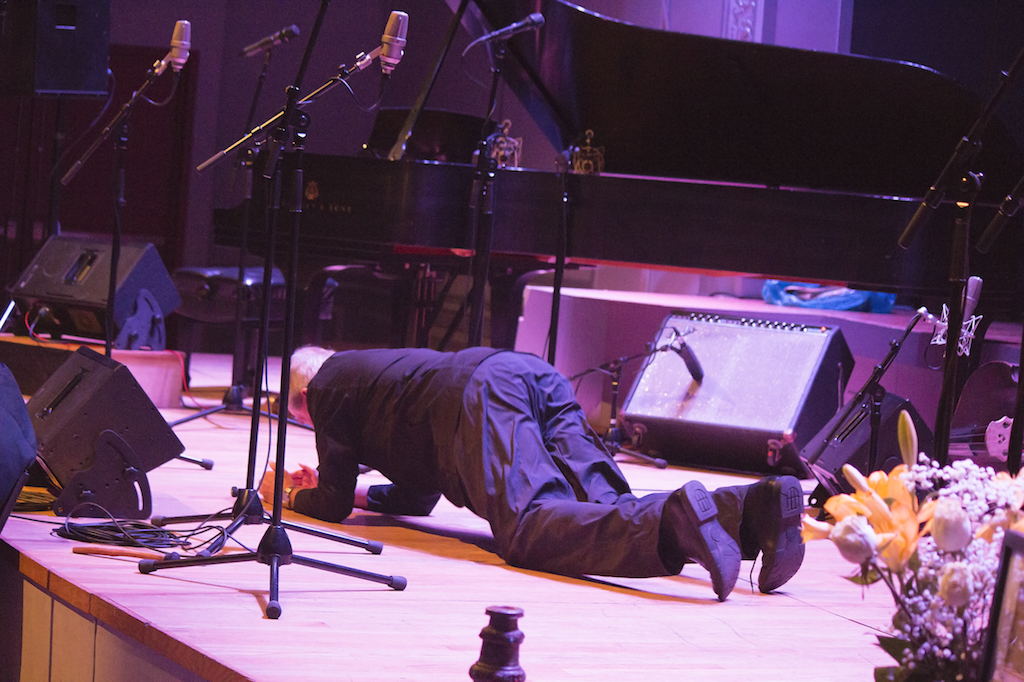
x: 210, y: 619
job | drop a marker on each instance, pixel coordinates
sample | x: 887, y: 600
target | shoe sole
x: 789, y: 550
x: 724, y: 552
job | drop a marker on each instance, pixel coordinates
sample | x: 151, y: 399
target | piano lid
x: 688, y: 106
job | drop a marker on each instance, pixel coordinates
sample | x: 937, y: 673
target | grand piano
x: 720, y: 155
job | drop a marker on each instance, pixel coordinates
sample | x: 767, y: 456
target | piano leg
x: 507, y: 286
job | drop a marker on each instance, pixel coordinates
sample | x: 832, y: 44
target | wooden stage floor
x: 208, y: 622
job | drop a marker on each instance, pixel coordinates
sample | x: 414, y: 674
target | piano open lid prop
x: 720, y: 156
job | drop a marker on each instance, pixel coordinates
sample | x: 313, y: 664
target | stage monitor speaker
x: 767, y: 388
x: 850, y: 443
x: 55, y: 47
x: 98, y: 435
x: 64, y: 291
x: 17, y: 443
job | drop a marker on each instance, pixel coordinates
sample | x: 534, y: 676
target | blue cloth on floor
x: 809, y: 295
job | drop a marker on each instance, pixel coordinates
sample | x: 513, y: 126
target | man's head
x: 305, y: 363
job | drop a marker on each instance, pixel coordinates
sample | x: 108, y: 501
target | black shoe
x: 772, y: 511
x: 702, y: 539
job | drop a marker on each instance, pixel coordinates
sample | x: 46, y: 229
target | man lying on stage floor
x: 500, y: 432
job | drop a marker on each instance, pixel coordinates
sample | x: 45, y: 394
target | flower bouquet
x: 933, y: 536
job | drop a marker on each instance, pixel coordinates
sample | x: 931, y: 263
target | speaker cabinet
x: 55, y: 47
x: 846, y: 439
x: 98, y: 433
x: 767, y: 388
x: 17, y: 443
x: 64, y: 290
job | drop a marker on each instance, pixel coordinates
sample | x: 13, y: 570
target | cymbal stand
x: 275, y: 548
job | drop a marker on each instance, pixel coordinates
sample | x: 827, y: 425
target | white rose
x: 951, y: 527
x: 855, y: 539
x: 955, y: 584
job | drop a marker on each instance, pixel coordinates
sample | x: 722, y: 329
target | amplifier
x: 767, y: 388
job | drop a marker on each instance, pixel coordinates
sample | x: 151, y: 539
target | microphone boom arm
x: 363, y: 60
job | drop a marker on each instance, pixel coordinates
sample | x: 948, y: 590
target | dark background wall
x: 971, y: 41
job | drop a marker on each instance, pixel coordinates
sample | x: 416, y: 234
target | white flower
x: 955, y: 584
x: 855, y: 539
x: 951, y: 527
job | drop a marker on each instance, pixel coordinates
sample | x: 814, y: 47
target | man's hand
x: 305, y: 477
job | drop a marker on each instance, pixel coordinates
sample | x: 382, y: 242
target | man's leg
x: 765, y: 517
x: 556, y: 500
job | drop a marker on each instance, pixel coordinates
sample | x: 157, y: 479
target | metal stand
x: 967, y: 191
x: 120, y: 124
x: 275, y: 548
x: 968, y: 184
x: 482, y: 209
x: 614, y: 437
x: 869, y: 398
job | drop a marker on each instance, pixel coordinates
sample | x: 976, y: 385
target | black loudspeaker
x: 767, y: 388
x: 17, y: 443
x: 64, y: 291
x: 849, y: 442
x: 98, y: 434
x: 55, y: 47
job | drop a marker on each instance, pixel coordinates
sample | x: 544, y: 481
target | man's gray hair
x: 306, y: 362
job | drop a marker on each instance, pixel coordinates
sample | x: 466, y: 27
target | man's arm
x: 393, y: 499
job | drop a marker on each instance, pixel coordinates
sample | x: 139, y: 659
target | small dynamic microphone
x: 392, y: 43
x: 535, y: 20
x: 690, y: 360
x: 273, y: 40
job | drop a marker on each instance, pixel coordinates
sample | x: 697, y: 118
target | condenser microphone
x: 971, y: 296
x: 181, y: 42
x: 273, y: 40
x: 392, y: 43
x: 535, y: 20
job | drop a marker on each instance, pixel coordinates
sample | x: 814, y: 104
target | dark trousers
x: 534, y: 469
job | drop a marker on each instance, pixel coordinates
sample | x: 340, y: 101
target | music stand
x: 275, y: 548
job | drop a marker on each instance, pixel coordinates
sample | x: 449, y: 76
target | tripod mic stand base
x: 647, y: 459
x: 275, y: 551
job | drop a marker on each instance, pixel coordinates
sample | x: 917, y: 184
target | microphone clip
x: 967, y: 331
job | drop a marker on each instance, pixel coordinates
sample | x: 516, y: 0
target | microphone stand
x: 968, y: 189
x: 275, y: 548
x: 119, y: 123
x: 234, y: 397
x: 871, y: 390
x: 482, y: 209
x: 956, y: 170
x: 614, y: 437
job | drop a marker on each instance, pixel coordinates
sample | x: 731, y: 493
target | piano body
x: 720, y: 156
